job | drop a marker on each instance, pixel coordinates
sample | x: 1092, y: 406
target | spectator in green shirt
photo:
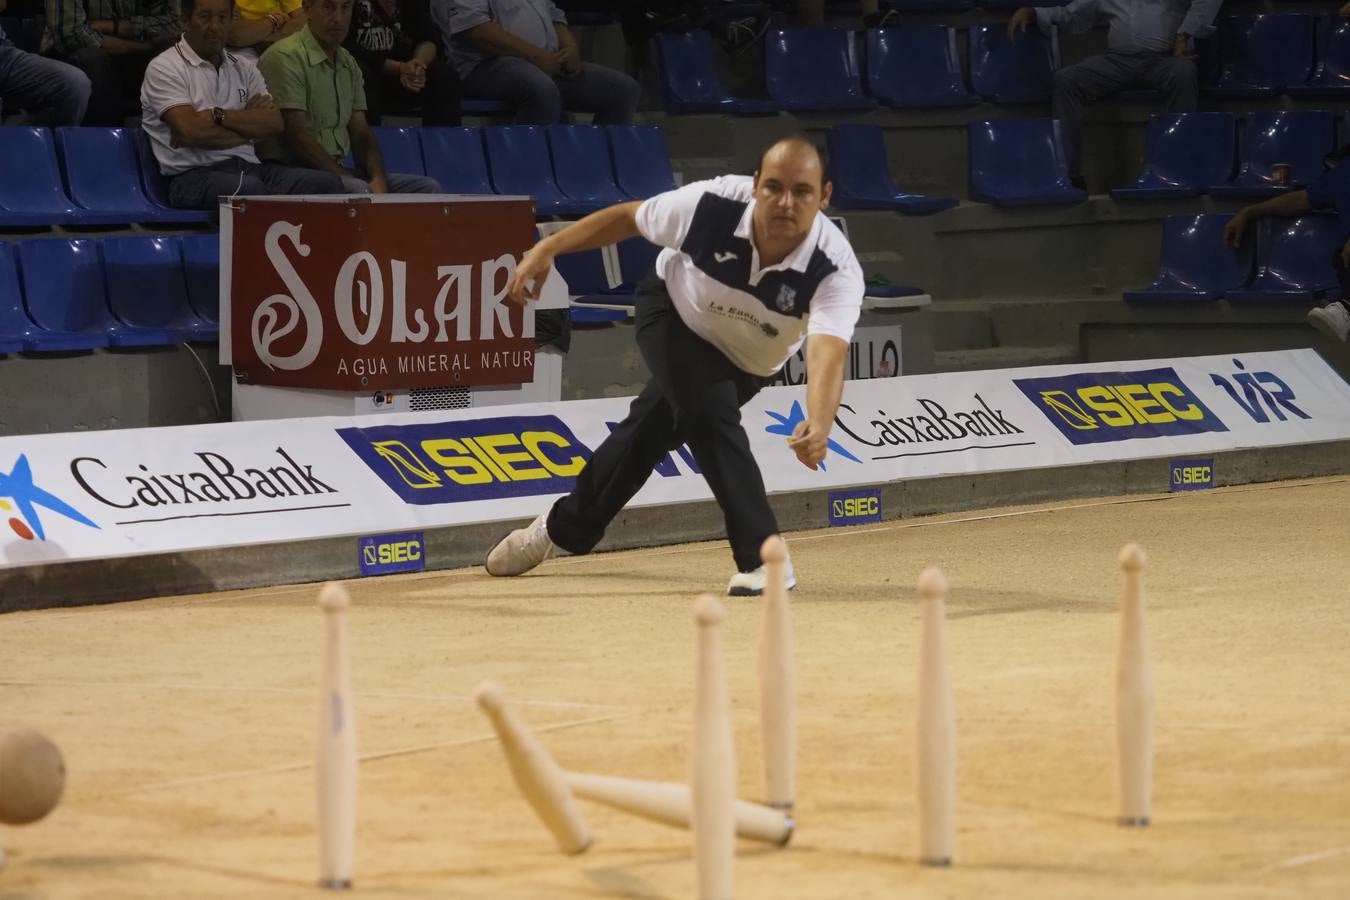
x: 321, y: 93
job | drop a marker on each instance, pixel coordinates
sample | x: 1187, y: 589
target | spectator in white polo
x: 203, y: 107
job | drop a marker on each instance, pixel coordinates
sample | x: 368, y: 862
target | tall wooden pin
x: 777, y: 681
x: 713, y: 761
x: 1134, y: 695
x: 936, y: 727
x: 336, y: 749
x: 538, y: 777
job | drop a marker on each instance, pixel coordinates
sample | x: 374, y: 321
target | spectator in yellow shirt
x: 258, y: 24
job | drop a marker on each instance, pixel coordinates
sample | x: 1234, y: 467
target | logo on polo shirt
x: 786, y: 298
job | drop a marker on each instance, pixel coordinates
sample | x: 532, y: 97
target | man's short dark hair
x: 189, y: 7
x: 802, y: 139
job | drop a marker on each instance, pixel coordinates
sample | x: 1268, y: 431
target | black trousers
x: 694, y: 396
x: 439, y: 100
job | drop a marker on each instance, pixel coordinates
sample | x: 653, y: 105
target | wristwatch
x: 218, y: 115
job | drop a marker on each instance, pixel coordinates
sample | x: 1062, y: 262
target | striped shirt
x: 757, y: 317
x: 69, y: 29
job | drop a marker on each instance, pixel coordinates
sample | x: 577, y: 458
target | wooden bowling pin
x: 713, y: 761
x: 777, y: 681
x: 1134, y: 696
x: 336, y: 748
x: 935, y: 729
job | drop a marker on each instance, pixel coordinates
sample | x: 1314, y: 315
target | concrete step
x: 1002, y: 358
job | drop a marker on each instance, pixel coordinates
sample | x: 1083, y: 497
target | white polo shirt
x: 757, y: 316
x: 179, y: 77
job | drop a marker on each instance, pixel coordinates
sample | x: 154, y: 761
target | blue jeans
x: 203, y: 187
x: 357, y: 183
x: 52, y: 92
x: 539, y: 99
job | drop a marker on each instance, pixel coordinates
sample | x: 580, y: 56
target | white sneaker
x: 521, y: 550
x: 751, y: 584
x: 1333, y: 320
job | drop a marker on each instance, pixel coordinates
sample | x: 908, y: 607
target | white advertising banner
x: 161, y: 490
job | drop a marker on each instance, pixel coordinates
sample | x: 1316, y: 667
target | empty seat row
x: 1189, y: 154
x: 568, y: 169
x: 909, y: 66
x: 109, y: 176
x: 82, y: 176
x: 1264, y: 55
x: 920, y: 66
x: 83, y: 294
x: 1279, y: 261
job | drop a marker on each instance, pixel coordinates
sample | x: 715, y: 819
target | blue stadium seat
x: 1184, y: 153
x: 1294, y: 262
x: 1331, y: 73
x: 862, y: 178
x: 63, y: 288
x: 400, y: 149
x: 1012, y: 71
x: 1261, y: 55
x: 16, y: 329
x: 637, y: 260
x: 1019, y: 162
x: 154, y: 183
x: 689, y: 79
x: 829, y: 82
x: 1299, y: 139
x: 916, y: 66
x: 582, y: 166
x: 455, y: 158
x: 584, y: 272
x: 641, y: 160
x: 519, y: 163
x: 147, y: 292
x: 201, y: 267
x: 31, y: 193
x: 1196, y: 265
x: 103, y: 173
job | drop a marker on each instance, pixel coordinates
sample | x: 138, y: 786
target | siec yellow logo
x: 392, y: 552
x: 848, y: 507
x: 1123, y: 405
x: 485, y: 459
x: 1192, y: 475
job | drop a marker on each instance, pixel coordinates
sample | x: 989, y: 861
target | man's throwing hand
x: 530, y: 275
x: 810, y: 444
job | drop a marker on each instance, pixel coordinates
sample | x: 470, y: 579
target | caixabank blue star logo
x: 784, y: 425
x: 19, y: 493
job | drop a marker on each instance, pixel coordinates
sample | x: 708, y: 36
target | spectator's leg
x: 105, y: 86
x: 1179, y: 80
x: 202, y: 188
x: 374, y: 81
x: 608, y: 93
x: 440, y: 98
x: 53, y: 93
x: 519, y: 84
x: 412, y: 184
x: 294, y: 180
x: 354, y: 184
x: 1076, y: 86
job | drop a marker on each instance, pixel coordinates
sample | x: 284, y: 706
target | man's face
x: 329, y: 20
x: 207, y: 26
x: 788, y: 193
